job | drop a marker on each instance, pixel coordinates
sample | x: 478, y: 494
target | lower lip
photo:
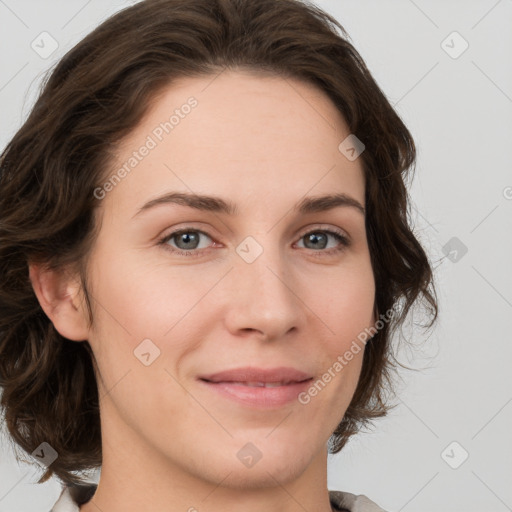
x: 259, y: 396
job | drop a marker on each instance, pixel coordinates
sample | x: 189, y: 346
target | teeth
x: 255, y: 384
x: 261, y: 384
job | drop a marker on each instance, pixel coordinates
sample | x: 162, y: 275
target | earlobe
x: 59, y: 297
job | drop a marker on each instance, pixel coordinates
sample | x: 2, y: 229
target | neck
x: 136, y: 475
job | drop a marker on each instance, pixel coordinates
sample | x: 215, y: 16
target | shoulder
x: 347, y: 502
x: 71, y: 497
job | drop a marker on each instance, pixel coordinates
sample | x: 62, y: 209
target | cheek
x: 347, y: 309
x: 145, y: 297
x: 329, y: 396
x: 346, y: 301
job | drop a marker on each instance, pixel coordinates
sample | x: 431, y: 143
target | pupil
x: 315, y: 239
x: 186, y: 238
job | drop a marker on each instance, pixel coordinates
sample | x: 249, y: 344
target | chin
x: 269, y: 466
x: 262, y: 475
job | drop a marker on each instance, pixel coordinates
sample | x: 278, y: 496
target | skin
x: 169, y: 444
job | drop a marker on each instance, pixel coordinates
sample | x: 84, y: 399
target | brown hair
x: 97, y: 94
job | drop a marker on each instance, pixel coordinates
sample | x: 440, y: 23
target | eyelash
x: 338, y: 235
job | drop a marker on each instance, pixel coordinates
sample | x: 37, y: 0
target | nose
x: 262, y: 298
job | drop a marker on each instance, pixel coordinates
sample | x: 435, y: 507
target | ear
x: 59, y: 295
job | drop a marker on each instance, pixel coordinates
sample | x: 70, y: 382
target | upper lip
x: 251, y: 374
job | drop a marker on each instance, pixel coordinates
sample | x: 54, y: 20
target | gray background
x: 459, y: 110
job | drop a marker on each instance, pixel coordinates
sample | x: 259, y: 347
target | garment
x: 71, y: 497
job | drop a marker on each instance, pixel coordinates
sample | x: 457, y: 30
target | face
x: 268, y: 286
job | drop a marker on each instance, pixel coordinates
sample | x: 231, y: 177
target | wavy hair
x: 95, y: 96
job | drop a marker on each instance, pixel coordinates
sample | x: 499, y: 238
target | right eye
x: 187, y: 241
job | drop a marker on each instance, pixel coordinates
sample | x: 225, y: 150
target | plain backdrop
x: 445, y: 66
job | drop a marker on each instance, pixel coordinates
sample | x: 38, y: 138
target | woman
x: 205, y: 251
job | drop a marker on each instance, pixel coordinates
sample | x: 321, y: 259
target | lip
x: 232, y: 384
x: 253, y: 374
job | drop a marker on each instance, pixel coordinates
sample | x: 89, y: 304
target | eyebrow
x: 219, y: 205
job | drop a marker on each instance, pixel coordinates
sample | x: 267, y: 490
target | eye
x: 318, y: 239
x: 187, y: 240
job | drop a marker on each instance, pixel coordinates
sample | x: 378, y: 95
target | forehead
x: 242, y: 135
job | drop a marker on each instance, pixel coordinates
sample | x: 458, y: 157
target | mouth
x: 260, y: 388
x: 257, y: 384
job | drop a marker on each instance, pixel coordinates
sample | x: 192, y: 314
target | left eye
x: 322, y: 240
x: 188, y: 240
